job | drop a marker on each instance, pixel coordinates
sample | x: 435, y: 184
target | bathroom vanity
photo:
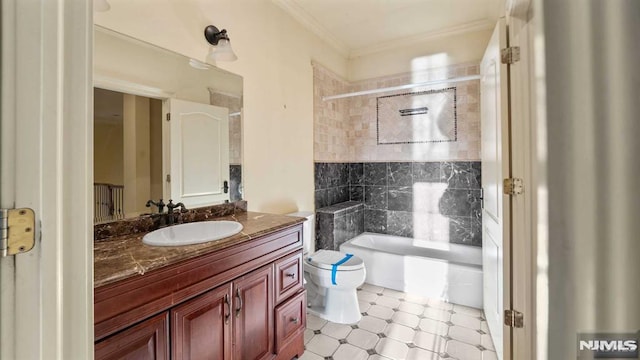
x: 236, y: 298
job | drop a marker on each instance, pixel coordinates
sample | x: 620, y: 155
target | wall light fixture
x: 220, y: 49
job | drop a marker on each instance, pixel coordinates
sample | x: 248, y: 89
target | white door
x: 495, y: 167
x: 46, y: 159
x: 198, y: 153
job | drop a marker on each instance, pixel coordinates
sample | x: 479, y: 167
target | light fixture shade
x: 101, y: 5
x: 222, y: 52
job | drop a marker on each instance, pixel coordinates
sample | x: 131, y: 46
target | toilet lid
x: 325, y: 259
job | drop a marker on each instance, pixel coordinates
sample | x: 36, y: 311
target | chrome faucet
x: 170, y: 213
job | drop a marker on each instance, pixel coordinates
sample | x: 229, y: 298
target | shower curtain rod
x: 401, y: 87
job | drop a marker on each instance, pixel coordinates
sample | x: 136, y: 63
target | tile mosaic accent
x: 345, y: 129
x: 427, y: 200
x: 417, y: 117
x: 388, y: 332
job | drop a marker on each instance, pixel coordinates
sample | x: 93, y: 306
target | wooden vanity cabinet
x: 253, y: 310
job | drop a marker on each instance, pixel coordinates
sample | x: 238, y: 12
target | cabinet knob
x: 291, y: 275
x: 295, y: 320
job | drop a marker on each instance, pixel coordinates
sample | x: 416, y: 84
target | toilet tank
x: 308, y: 230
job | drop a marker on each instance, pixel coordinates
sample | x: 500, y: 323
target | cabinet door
x: 145, y: 341
x: 253, y: 315
x: 200, y: 328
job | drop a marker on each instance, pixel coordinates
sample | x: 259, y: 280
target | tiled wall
x: 234, y: 104
x: 338, y: 223
x: 235, y: 182
x: 429, y: 200
x: 428, y: 189
x: 331, y: 120
x: 345, y: 130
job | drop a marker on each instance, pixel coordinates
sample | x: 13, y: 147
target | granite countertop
x: 122, y: 257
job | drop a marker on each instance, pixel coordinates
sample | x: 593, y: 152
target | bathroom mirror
x: 147, y: 144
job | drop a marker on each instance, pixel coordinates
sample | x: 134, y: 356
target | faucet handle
x: 159, y: 204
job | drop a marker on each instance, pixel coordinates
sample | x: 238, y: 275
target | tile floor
x: 396, y: 325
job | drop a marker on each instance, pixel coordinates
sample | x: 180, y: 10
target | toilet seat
x: 325, y: 259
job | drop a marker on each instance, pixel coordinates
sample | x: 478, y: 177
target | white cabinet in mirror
x: 163, y: 129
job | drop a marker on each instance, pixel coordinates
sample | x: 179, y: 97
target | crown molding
x: 309, y: 22
x: 421, y: 38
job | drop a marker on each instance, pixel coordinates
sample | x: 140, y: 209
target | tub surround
x: 428, y: 200
x: 125, y: 256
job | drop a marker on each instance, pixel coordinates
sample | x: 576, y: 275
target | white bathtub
x: 440, y: 270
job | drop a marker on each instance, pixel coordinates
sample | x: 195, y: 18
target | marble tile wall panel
x: 431, y: 200
x: 235, y: 182
x: 331, y: 183
x: 338, y: 223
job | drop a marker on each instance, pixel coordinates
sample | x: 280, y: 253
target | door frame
x: 46, y: 298
x: 498, y: 220
x: 523, y: 134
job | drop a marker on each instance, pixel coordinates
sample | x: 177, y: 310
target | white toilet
x: 331, y: 278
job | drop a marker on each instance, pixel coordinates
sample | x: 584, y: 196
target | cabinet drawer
x: 288, y: 276
x: 291, y: 318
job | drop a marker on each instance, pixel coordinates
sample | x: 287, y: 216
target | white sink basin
x: 192, y: 233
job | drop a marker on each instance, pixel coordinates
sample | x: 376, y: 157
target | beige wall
x: 155, y: 146
x: 136, y: 154
x: 274, y: 59
x: 434, y: 53
x: 107, y: 152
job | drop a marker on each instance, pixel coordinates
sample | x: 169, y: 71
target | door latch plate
x: 18, y: 231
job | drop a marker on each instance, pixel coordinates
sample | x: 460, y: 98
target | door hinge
x: 168, y: 178
x: 513, y: 186
x: 168, y: 116
x: 510, y: 55
x: 513, y: 318
x: 17, y: 227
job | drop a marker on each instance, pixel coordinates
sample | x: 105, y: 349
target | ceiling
x: 358, y: 27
